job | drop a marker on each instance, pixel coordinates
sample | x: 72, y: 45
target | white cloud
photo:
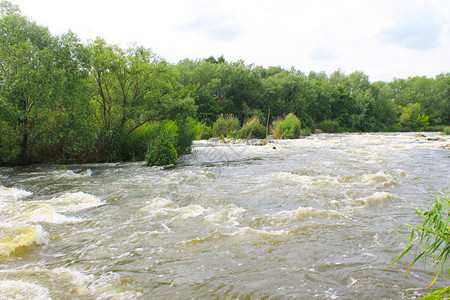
x: 382, y: 38
x: 418, y: 29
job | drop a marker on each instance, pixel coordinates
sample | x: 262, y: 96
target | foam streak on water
x: 293, y: 219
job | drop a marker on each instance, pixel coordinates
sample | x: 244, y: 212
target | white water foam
x: 47, y: 214
x: 19, y: 289
x: 302, y: 213
x: 227, y: 214
x: 161, y: 207
x: 15, y: 236
x: 106, y: 286
x: 69, y: 174
x: 70, y: 202
x: 12, y: 194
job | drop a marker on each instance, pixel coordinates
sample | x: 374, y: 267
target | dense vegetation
x: 62, y: 100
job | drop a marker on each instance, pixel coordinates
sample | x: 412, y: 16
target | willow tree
x: 25, y: 79
x: 129, y: 88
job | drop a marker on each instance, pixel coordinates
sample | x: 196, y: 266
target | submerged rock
x: 233, y: 141
x: 256, y: 142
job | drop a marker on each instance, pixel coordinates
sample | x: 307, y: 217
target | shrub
x: 187, y: 132
x: 110, y: 145
x: 204, y: 132
x: 136, y: 145
x: 289, y: 128
x: 253, y: 129
x: 161, y: 147
x: 329, y: 126
x: 226, y: 125
x: 9, y: 144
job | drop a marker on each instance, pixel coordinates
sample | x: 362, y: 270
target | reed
x: 431, y: 240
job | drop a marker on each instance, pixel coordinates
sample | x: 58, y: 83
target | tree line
x: 62, y: 100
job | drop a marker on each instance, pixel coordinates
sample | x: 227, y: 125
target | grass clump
x: 431, y: 240
x: 226, y: 125
x: 253, y: 129
x: 287, y: 128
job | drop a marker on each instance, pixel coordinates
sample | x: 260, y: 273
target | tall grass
x: 226, y: 125
x: 431, y: 241
x: 253, y: 129
x: 287, y: 128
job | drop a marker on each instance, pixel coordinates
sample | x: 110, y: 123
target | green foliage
x: 287, y: 128
x: 110, y: 144
x: 204, y: 132
x: 431, y: 239
x: 226, y: 125
x: 187, y: 132
x: 443, y: 293
x: 422, y: 121
x: 135, y: 145
x: 410, y: 116
x: 252, y: 129
x: 305, y: 132
x: 446, y: 131
x: 161, y: 147
x: 9, y: 144
x: 329, y: 126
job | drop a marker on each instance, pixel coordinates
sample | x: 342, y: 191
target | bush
x: 161, y: 147
x: 329, y: 126
x: 110, y: 145
x: 253, y: 129
x: 187, y: 132
x: 136, y: 144
x: 289, y: 128
x: 204, y: 132
x: 9, y: 145
x: 225, y: 126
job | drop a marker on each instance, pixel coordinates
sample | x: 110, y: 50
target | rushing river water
x: 293, y: 219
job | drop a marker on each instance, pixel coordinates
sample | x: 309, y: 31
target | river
x: 294, y: 219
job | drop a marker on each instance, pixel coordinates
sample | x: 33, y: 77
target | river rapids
x: 294, y: 219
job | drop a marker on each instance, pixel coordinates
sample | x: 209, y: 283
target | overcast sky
x: 382, y: 38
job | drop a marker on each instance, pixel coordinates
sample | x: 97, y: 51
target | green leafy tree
x: 411, y: 118
x: 27, y: 76
x: 129, y: 89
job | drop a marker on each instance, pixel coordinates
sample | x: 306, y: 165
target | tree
x: 411, y: 116
x: 26, y: 73
x: 129, y: 89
